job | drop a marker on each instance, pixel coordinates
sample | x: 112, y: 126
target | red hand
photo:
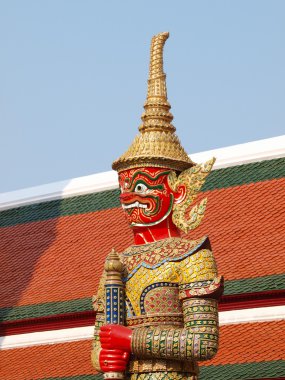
x: 113, y: 360
x: 115, y: 337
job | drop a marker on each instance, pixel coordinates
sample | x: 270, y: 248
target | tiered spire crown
x: 157, y: 144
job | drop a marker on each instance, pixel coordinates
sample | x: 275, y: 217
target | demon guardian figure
x: 169, y: 286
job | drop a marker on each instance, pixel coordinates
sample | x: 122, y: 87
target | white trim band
x: 262, y: 314
x: 257, y: 314
x: 46, y: 337
x: 260, y: 150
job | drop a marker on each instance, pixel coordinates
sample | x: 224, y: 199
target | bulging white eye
x: 140, y: 188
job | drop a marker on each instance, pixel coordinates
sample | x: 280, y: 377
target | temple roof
x: 54, y: 242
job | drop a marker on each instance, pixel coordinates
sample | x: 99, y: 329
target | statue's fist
x: 113, y: 360
x: 115, y: 337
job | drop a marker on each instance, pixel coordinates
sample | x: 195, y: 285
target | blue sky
x: 73, y: 79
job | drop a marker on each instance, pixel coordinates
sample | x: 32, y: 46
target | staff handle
x: 115, y: 299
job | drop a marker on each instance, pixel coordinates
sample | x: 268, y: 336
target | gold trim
x: 193, y: 179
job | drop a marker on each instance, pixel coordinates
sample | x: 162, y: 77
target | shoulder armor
x: 206, y: 289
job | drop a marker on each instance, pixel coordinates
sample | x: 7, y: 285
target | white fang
x: 135, y: 204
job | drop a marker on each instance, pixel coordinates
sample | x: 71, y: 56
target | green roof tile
x: 257, y: 284
x: 261, y: 370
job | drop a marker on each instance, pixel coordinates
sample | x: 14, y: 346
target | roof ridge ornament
x: 156, y: 145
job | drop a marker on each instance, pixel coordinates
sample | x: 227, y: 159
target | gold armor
x: 171, y: 290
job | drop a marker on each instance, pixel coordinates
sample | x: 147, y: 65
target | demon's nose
x: 126, y: 197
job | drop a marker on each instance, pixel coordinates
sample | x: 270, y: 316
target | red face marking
x: 145, y: 195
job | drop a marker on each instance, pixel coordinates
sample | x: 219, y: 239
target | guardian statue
x: 156, y: 306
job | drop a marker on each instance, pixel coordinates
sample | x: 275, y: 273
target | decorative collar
x: 153, y: 255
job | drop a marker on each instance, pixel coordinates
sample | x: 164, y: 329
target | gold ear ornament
x: 193, y: 179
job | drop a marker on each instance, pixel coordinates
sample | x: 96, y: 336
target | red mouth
x: 130, y: 201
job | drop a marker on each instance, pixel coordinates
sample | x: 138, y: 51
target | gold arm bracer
x: 198, y: 340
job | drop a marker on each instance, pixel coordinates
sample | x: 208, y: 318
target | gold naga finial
x: 157, y: 144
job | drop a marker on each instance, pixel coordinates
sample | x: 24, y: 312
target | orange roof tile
x: 47, y: 361
x: 250, y: 342
x: 62, y: 259
x: 246, y: 227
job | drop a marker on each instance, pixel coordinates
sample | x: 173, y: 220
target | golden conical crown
x: 156, y: 144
